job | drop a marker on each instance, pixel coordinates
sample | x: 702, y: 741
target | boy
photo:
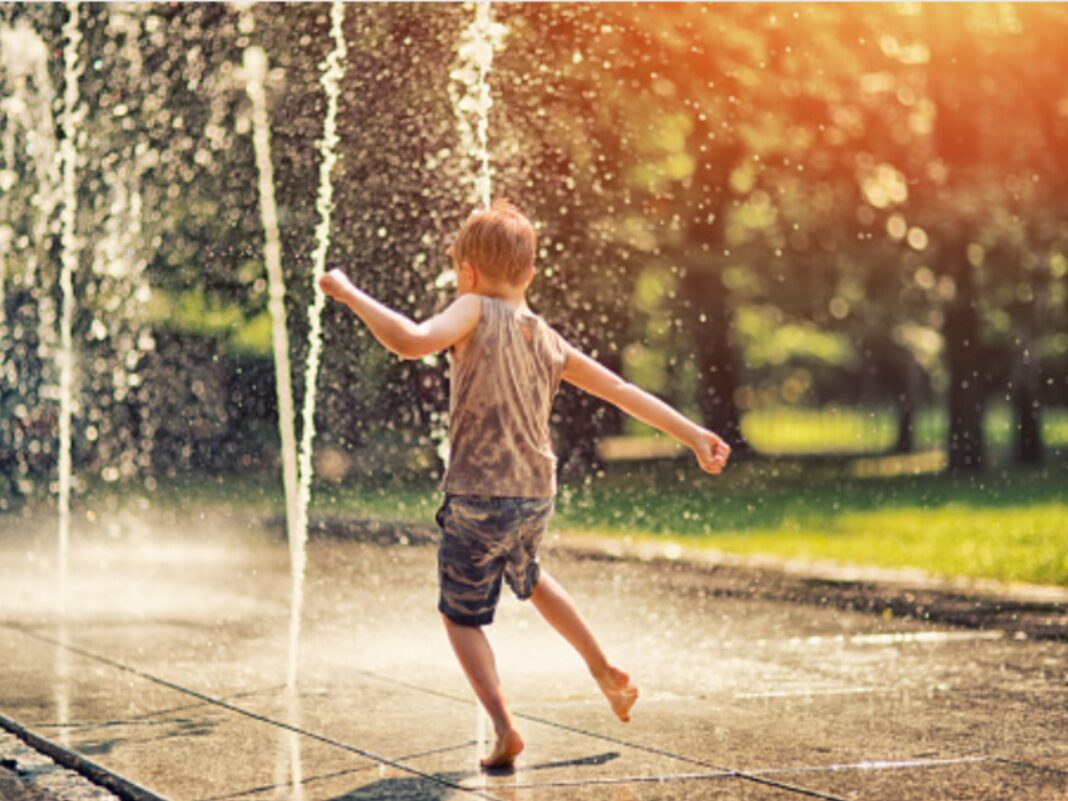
x: 507, y: 364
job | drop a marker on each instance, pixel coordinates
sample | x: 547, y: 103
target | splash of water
x: 333, y: 71
x: 27, y: 107
x: 121, y: 263
x: 471, y: 96
x: 255, y: 69
x: 469, y: 91
x: 296, y: 764
x: 30, y: 194
x: 69, y: 242
x: 119, y: 314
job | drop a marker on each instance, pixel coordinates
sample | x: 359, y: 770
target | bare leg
x: 476, y: 658
x: 556, y: 606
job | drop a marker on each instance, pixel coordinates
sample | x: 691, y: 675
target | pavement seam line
x: 332, y: 774
x: 72, y: 760
x: 146, y: 717
x: 1019, y: 763
x: 833, y: 768
x: 611, y: 780
x: 618, y: 741
x: 254, y: 715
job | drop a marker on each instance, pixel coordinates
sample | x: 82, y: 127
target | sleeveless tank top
x: 501, y: 391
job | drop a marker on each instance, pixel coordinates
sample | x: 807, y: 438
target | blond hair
x: 499, y: 242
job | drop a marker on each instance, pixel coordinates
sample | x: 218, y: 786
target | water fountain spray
x: 333, y: 71
x: 471, y: 97
x: 28, y: 131
x: 255, y: 69
x: 471, y: 100
x: 69, y: 242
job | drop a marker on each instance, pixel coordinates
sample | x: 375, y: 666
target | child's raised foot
x: 508, y: 746
x: 617, y: 688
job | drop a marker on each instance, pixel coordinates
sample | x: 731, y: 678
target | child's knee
x: 451, y: 621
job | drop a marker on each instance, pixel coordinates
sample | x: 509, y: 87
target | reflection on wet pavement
x: 170, y: 665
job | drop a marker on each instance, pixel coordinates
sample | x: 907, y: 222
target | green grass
x: 797, y: 430
x: 1022, y: 543
x: 1009, y: 523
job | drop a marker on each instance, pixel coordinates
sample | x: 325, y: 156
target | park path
x: 169, y: 669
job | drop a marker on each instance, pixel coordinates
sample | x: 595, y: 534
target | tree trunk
x: 1026, y: 406
x: 964, y: 355
x: 1027, y: 400
x: 717, y: 374
x: 906, y: 440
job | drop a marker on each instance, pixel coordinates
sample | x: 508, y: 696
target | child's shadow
x: 596, y: 759
x: 416, y: 788
x: 405, y: 788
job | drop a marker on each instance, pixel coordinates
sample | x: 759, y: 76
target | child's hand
x: 711, y: 452
x: 334, y: 284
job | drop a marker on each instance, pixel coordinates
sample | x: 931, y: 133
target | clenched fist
x: 334, y: 283
x: 711, y: 452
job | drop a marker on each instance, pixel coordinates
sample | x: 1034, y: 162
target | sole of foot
x: 619, y: 691
x: 504, y: 752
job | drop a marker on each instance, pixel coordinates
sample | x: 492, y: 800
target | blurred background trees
x: 819, y: 229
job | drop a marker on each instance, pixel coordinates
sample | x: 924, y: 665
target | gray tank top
x: 501, y: 391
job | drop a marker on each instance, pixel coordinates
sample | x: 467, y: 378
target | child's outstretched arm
x: 585, y: 373
x: 406, y: 338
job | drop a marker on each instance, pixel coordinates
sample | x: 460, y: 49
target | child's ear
x: 470, y: 274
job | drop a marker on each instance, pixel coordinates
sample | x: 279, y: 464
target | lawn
x: 1012, y: 526
x: 1009, y: 523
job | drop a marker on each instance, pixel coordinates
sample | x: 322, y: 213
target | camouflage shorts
x: 482, y: 540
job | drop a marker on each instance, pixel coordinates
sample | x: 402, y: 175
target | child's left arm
x: 406, y: 338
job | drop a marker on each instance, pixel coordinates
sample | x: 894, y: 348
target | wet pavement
x: 169, y: 669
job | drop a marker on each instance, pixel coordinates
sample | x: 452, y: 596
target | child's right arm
x: 405, y: 337
x: 587, y: 374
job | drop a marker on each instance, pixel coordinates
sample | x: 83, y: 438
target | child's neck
x: 512, y: 296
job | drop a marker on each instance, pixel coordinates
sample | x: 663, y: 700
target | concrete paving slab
x: 553, y: 756
x: 28, y: 775
x: 974, y: 782
x: 1057, y: 762
x: 231, y: 757
x: 837, y: 729
x: 669, y: 789
x: 50, y: 688
x: 391, y: 786
x: 362, y: 784
x: 183, y: 636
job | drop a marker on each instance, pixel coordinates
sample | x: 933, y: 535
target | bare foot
x: 507, y: 748
x: 621, y: 694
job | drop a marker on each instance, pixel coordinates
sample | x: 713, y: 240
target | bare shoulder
x: 467, y: 305
x: 463, y: 313
x: 467, y: 311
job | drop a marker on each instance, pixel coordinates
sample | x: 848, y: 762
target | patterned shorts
x: 482, y: 540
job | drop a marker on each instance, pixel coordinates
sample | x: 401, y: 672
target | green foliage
x: 767, y: 341
x: 833, y: 167
x: 194, y: 311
